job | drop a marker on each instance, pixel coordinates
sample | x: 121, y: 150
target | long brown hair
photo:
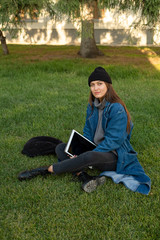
x: 112, y: 97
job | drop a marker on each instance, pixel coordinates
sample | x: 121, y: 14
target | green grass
x: 49, y: 97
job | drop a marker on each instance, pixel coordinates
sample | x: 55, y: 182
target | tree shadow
x: 57, y: 35
x: 123, y: 37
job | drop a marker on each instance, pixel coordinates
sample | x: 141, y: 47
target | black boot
x: 33, y: 173
x: 90, y: 183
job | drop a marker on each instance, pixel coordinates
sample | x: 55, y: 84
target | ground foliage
x: 47, y: 95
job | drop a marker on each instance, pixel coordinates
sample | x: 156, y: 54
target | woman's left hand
x: 73, y: 156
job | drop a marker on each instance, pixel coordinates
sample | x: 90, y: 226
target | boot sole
x: 91, y: 186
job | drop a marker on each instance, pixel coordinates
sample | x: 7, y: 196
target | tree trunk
x: 3, y: 43
x: 88, y: 47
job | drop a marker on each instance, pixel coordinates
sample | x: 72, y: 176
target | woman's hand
x: 73, y: 156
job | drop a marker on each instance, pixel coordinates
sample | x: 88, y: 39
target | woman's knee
x: 88, y: 155
x: 60, y: 148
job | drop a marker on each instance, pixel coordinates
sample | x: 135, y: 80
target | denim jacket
x: 114, y: 123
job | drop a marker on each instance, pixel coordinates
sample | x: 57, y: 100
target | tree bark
x: 3, y: 43
x: 88, y: 48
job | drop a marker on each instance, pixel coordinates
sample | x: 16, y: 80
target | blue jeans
x: 104, y: 161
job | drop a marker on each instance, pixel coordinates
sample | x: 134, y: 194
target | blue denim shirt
x: 114, y: 124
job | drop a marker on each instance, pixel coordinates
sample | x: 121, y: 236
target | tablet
x: 78, y: 144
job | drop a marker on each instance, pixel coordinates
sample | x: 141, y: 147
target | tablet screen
x: 78, y: 144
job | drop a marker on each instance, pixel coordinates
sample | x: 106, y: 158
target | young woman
x: 108, y: 124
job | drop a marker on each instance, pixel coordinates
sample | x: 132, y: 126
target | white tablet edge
x: 69, y: 141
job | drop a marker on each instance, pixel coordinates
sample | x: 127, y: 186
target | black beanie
x: 99, y: 74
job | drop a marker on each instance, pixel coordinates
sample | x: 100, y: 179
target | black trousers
x: 104, y: 161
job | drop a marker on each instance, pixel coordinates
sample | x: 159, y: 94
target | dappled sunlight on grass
x: 155, y: 62
x: 146, y: 57
x: 148, y: 51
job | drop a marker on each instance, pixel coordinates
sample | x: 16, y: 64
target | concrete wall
x: 113, y: 29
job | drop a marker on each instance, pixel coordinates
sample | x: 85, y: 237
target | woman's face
x: 98, y: 89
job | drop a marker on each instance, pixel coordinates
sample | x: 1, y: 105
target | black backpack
x: 41, y: 145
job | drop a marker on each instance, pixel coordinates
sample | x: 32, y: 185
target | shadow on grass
x: 141, y: 57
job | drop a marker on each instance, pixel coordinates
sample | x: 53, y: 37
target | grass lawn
x: 44, y: 91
